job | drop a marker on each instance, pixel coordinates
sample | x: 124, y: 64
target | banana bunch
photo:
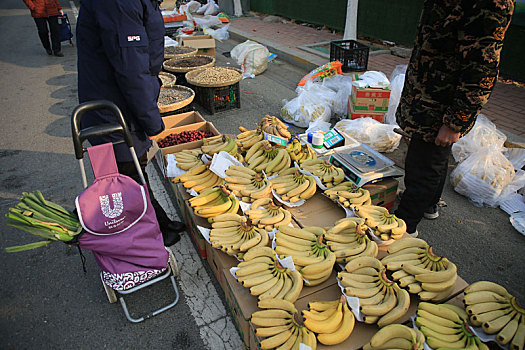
x: 281, y: 326
x: 310, y: 255
x: 188, y: 158
x: 199, y: 178
x: 490, y: 306
x: 333, y: 321
x: 247, y: 184
x: 446, y: 326
x: 380, y: 299
x: 233, y: 234
x: 273, y: 125
x: 248, y: 138
x: 347, y: 194
x: 348, y: 240
x: 266, y: 214
x: 416, y: 267
x: 299, y: 152
x: 264, y: 156
x: 385, y: 225
x: 396, y: 336
x: 217, y: 144
x: 266, y: 278
x: 292, y: 185
x: 329, y: 174
x: 214, y: 201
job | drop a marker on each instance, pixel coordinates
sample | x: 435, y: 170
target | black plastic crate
x: 218, y: 99
x: 352, y: 54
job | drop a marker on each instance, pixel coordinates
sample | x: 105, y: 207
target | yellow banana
x: 270, y: 331
x: 342, y: 332
x: 403, y: 303
x: 277, y: 304
x: 329, y: 325
x: 390, y: 332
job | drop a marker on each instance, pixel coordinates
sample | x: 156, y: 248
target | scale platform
x: 363, y: 165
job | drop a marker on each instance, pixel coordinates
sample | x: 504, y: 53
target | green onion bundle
x: 43, y: 218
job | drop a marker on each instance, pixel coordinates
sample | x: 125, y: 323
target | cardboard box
x: 219, y: 261
x: 242, y: 304
x: 353, y: 114
x: 205, y: 44
x: 317, y: 211
x: 181, y: 197
x: 192, y: 222
x: 182, y: 119
x: 162, y: 152
x: 383, y: 193
x: 369, y: 99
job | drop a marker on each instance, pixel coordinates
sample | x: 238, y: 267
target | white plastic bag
x: 483, y: 134
x: 319, y: 90
x: 208, y: 22
x: 342, y: 85
x: 483, y: 175
x: 252, y: 56
x: 218, y: 34
x: 396, y: 88
x: 306, y: 108
x: 212, y: 8
x: 381, y: 137
x: 190, y: 7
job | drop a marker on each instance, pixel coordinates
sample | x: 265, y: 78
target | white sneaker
x: 414, y: 234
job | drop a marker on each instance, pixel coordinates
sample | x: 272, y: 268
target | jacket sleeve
x: 480, y: 35
x: 30, y: 4
x: 125, y: 41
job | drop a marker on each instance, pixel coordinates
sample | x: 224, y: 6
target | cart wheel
x: 112, y: 297
x: 173, y: 263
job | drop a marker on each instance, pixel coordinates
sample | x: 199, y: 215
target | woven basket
x: 171, y: 64
x: 190, y: 78
x: 168, y: 79
x: 179, y: 104
x: 191, y: 53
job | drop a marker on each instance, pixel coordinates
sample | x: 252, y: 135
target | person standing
x: 120, y: 45
x: 451, y: 74
x: 45, y: 13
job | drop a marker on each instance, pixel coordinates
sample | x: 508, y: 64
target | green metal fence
x: 391, y: 20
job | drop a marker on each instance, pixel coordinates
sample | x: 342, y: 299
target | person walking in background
x: 451, y: 74
x: 120, y: 45
x: 45, y: 13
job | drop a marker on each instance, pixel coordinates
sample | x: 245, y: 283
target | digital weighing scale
x: 363, y: 165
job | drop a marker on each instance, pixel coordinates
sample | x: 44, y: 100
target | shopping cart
x: 118, y: 220
x: 65, y: 29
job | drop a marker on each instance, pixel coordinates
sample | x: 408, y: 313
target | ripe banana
x: 390, y: 336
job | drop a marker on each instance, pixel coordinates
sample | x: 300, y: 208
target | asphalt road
x: 48, y: 302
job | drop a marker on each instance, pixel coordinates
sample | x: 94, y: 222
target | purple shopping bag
x: 120, y: 225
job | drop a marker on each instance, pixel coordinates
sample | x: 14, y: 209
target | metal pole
x: 351, y: 20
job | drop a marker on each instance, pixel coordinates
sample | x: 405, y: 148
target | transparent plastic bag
x: 218, y: 34
x: 304, y: 109
x: 396, y: 88
x: 482, y: 134
x: 381, y: 137
x: 317, y: 90
x: 342, y: 85
x: 483, y: 175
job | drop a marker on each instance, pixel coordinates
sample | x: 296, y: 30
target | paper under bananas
x: 266, y: 214
x: 234, y: 234
x: 329, y: 174
x: 348, y: 240
x: 446, y: 326
x: 273, y: 125
x: 396, y: 336
x: 218, y: 144
x: 262, y: 273
x: 247, y: 184
x: 214, y: 201
x: 347, y: 194
x: 300, y: 152
x: 263, y: 156
x: 310, y: 254
x: 381, y: 300
x: 199, y: 178
x: 292, y: 185
x: 188, y: 158
x: 385, y: 225
x: 248, y: 138
x: 419, y: 270
x: 490, y: 306
x: 333, y: 321
x: 280, y: 324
